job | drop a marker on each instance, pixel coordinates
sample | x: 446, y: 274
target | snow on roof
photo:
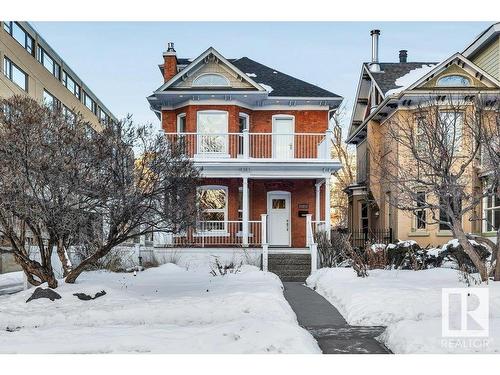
x: 251, y: 74
x: 410, y: 78
x: 268, y: 88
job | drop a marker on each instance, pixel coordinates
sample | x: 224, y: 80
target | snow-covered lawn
x: 163, y: 310
x: 408, y: 303
x: 11, y: 282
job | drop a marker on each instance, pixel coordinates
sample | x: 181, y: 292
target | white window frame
x: 225, y: 135
x: 485, y: 210
x: 415, y: 217
x: 179, y: 117
x: 225, y: 210
x: 459, y: 131
x: 227, y: 83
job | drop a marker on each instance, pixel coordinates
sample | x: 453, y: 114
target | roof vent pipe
x: 403, y: 56
x: 374, y: 65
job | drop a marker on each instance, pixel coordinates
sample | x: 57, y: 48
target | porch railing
x: 360, y: 237
x: 219, y: 233
x: 255, y: 145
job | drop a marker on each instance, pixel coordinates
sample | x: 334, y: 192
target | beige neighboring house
x: 388, y: 90
x: 30, y: 66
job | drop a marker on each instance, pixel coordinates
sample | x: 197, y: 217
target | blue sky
x: 119, y: 60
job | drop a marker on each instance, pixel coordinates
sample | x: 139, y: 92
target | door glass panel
x: 278, y: 204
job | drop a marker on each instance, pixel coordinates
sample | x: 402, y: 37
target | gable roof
x: 481, y: 40
x: 283, y: 85
x: 199, y: 60
x: 390, y: 72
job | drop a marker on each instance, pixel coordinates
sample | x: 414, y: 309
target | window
x: 48, y: 62
x: 89, y: 102
x: 50, y: 100
x: 18, y: 33
x: 70, y: 84
x: 243, y: 122
x: 69, y: 114
x: 278, y: 204
x: 181, y: 123
x: 212, y: 202
x: 491, y: 213
x: 454, y: 81
x: 212, y: 129
x: 364, y: 217
x: 451, y: 123
x: 103, y: 117
x: 15, y: 74
x: 211, y: 79
x: 420, y: 213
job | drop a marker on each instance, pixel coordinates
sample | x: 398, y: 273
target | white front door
x: 283, y: 137
x: 278, y: 210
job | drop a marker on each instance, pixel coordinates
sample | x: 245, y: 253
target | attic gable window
x: 211, y: 80
x: 454, y: 81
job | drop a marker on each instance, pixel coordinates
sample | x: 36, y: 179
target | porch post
x: 265, y: 249
x: 317, y: 217
x: 327, y: 206
x: 245, y: 212
x: 328, y: 139
x: 246, y: 144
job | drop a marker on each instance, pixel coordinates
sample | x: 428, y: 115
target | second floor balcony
x: 262, y: 146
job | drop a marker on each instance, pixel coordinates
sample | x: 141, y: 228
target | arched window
x: 211, y: 79
x: 454, y: 81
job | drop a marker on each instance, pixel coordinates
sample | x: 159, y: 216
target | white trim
x: 247, y: 118
x: 264, y: 107
x: 289, y: 199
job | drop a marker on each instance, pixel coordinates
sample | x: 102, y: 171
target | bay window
x: 212, y: 132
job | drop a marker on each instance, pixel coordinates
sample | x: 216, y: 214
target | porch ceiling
x: 287, y: 169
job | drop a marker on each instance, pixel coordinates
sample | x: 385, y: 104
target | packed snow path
x: 327, y: 325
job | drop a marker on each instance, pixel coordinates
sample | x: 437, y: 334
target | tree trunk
x: 75, y: 272
x: 470, y: 251
x: 63, y: 257
x: 32, y: 269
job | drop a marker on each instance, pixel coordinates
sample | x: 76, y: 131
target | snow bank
x: 410, y: 78
x: 162, y: 310
x: 268, y: 88
x: 407, y: 302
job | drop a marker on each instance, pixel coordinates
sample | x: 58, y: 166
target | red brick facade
x: 303, y: 191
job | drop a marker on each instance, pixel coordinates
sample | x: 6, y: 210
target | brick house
x: 262, y: 141
x: 390, y: 91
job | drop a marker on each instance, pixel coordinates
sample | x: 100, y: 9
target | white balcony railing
x: 255, y: 145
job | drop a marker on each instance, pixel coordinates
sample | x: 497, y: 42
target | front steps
x: 289, y: 266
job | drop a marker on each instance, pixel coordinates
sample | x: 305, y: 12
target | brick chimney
x: 170, y: 62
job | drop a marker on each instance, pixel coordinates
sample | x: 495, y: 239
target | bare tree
x: 156, y: 192
x: 46, y: 158
x: 489, y: 108
x: 429, y: 160
x: 63, y: 184
x: 345, y: 176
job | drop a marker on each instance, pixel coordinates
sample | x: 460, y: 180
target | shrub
x: 332, y: 252
x: 453, y: 253
x: 219, y: 269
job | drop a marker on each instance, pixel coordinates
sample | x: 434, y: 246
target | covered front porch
x: 250, y: 212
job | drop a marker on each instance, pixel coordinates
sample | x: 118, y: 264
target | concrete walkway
x: 327, y: 325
